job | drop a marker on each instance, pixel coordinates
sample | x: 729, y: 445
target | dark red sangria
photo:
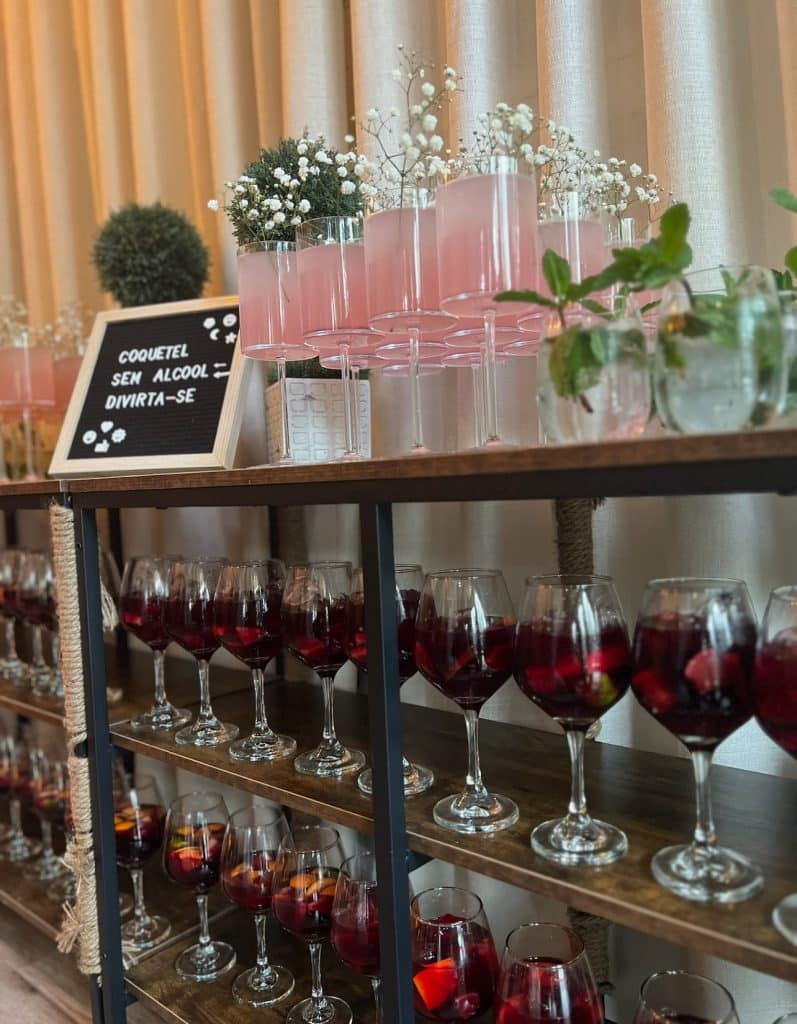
x: 318, y: 641
x: 138, y: 832
x: 138, y: 829
x: 304, y: 906
x: 684, y: 998
x: 775, y: 688
x: 467, y: 659
x: 355, y: 921
x: 50, y: 802
x: 250, y: 628
x: 193, y: 855
x: 48, y: 790
x: 143, y: 617
x: 249, y: 883
x: 190, y: 624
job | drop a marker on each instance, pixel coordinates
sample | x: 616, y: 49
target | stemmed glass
x: 409, y: 582
x: 463, y: 646
x: 26, y: 388
x: 16, y: 764
x: 248, y: 859
x: 188, y: 619
x: 194, y: 834
x: 454, y: 964
x: 546, y: 979
x: 355, y: 922
x: 775, y: 702
x: 694, y: 648
x: 49, y: 786
x: 141, y: 604
x: 314, y: 619
x: 573, y: 659
x: 36, y: 574
x: 247, y: 623
x: 305, y: 878
x: 678, y: 997
x: 11, y: 666
x: 138, y: 830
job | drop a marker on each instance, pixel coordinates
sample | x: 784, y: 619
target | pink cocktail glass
x: 26, y: 386
x: 65, y: 371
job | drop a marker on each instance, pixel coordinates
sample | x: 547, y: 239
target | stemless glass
x: 305, y: 878
x: 463, y: 646
x: 247, y: 623
x: 545, y: 978
x: 775, y: 702
x: 188, y: 619
x: 314, y: 618
x: 49, y: 786
x: 409, y: 581
x: 454, y: 964
x: 11, y: 666
x: 248, y: 859
x: 141, y: 604
x: 195, y: 827
x: 678, y: 997
x: 573, y: 659
x: 138, y: 830
x: 16, y: 764
x: 36, y: 574
x: 355, y: 922
x: 694, y: 648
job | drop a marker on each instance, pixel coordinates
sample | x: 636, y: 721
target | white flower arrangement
x: 504, y: 131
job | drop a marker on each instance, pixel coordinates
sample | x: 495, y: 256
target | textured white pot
x: 315, y: 419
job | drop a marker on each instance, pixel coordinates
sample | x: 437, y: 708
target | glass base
x: 209, y: 734
x: 262, y: 748
x: 335, y: 1011
x: 63, y: 890
x: 248, y: 990
x: 464, y: 812
x: 19, y: 847
x: 417, y: 779
x: 588, y: 843
x: 329, y: 761
x: 13, y: 669
x: 45, y: 869
x: 419, y: 449
x: 125, y: 905
x: 161, y: 719
x: 146, y: 933
x: 41, y: 683
x: 205, y: 963
x: 715, y: 876
x: 784, y: 917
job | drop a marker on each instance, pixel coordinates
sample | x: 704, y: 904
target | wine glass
x: 188, y: 619
x: 454, y: 964
x: 787, y: 1018
x: 314, y: 619
x: 409, y: 582
x: 36, y: 575
x: 247, y: 623
x: 141, y: 602
x: 775, y: 702
x: 138, y: 830
x: 49, y: 787
x: 248, y: 859
x: 694, y: 648
x: 463, y: 646
x: 16, y: 765
x: 545, y: 978
x: 678, y: 997
x: 355, y: 921
x: 11, y: 666
x: 573, y: 659
x: 194, y: 834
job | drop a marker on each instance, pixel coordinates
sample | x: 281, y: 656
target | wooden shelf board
x: 28, y: 493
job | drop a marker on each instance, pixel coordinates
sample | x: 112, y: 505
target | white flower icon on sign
x: 106, y: 425
x: 101, y: 447
x: 230, y: 320
x: 118, y: 435
x: 208, y: 322
x: 89, y: 437
x: 230, y: 338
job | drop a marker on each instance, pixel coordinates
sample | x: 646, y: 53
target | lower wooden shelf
x: 28, y: 898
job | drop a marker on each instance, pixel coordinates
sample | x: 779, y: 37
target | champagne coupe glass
x: 694, y: 648
x: 188, y: 618
x: 26, y: 389
x: 138, y: 830
x: 248, y: 859
x: 48, y: 789
x: 247, y: 623
x: 487, y: 243
x: 454, y: 964
x: 36, y: 572
x: 573, y: 659
x: 409, y: 583
x: 546, y: 979
x: 355, y: 922
x: 463, y: 646
x: 305, y: 878
x: 678, y: 997
x: 17, y: 763
x: 141, y: 606
x: 775, y: 702
x: 314, y: 619
x: 270, y: 311
x: 331, y: 261
x: 11, y: 666
x: 194, y: 834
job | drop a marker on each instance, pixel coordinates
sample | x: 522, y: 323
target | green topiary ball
x: 149, y: 254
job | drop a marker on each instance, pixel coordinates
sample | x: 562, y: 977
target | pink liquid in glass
x: 580, y: 242
x: 26, y: 378
x: 65, y: 373
x: 268, y: 302
x: 333, y: 295
x: 487, y: 241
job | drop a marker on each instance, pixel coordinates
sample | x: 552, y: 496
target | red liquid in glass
x: 190, y: 624
x: 249, y: 884
x: 355, y: 937
x: 538, y: 996
x: 700, y: 692
x: 194, y: 854
x: 304, y: 907
x: 9, y: 601
x: 50, y: 804
x: 318, y: 641
x: 455, y: 975
x: 250, y: 631
x: 775, y: 689
x: 358, y: 646
x: 31, y: 606
x: 138, y: 833
x: 467, y: 669
x: 144, y: 618
x: 5, y: 781
x: 572, y: 685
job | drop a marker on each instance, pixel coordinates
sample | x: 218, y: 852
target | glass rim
x: 463, y: 574
x: 247, y: 563
x: 310, y: 565
x: 447, y: 889
x: 693, y: 583
x: 155, y: 558
x: 333, y: 835
x: 266, y: 245
x: 407, y: 567
x: 360, y: 855
x: 570, y: 579
x: 250, y: 811
x: 787, y: 592
x: 548, y: 924
x: 205, y: 794
x: 727, y: 1018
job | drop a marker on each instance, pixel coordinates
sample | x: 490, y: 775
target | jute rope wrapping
x: 574, y: 545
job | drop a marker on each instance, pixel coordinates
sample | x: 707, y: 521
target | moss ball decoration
x: 150, y: 254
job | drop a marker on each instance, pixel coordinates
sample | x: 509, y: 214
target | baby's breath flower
x: 428, y: 89
x: 213, y: 204
x: 347, y: 187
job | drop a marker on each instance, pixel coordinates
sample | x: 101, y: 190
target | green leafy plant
x: 149, y: 254
x: 784, y: 279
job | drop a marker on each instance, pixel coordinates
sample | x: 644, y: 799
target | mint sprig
x: 788, y: 201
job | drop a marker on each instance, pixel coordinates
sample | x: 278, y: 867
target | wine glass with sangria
x: 50, y: 791
x: 194, y: 835
x: 463, y: 646
x: 573, y: 659
x: 11, y: 666
x: 17, y: 765
x: 694, y: 649
x: 409, y: 582
x: 678, y: 997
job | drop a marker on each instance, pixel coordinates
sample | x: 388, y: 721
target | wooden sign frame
x: 224, y: 447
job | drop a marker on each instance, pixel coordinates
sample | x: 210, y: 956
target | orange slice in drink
x: 436, y: 984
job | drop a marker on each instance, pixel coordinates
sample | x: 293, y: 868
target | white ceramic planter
x: 315, y: 419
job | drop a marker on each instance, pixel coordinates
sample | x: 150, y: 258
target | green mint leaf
x: 791, y: 259
x: 526, y: 295
x: 784, y: 198
x: 650, y: 306
x: 673, y: 357
x: 556, y: 271
x: 782, y: 280
x: 674, y: 227
x: 595, y: 307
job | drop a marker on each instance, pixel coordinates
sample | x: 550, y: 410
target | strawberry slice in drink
x: 462, y: 661
x: 436, y: 984
x: 653, y: 690
x: 607, y: 659
x: 310, y: 649
x: 248, y: 635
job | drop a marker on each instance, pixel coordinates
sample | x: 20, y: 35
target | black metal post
x: 390, y: 840
x: 100, y: 753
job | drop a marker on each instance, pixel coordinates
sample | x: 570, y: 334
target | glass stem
x: 415, y: 390
x: 348, y: 442
x: 478, y: 402
x: 11, y: 641
x: 317, y: 989
x: 285, y: 434
x: 38, y: 650
x: 205, y: 715
x: 137, y: 878
x: 328, y: 685
x: 376, y: 985
x: 263, y: 971
x: 577, y: 808
x: 47, y: 840
x: 27, y: 428
x: 355, y: 398
x: 15, y: 816
x: 473, y: 780
x: 705, y: 837
x: 161, y: 703
x: 261, y: 722
x: 204, y: 931
x: 490, y: 391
